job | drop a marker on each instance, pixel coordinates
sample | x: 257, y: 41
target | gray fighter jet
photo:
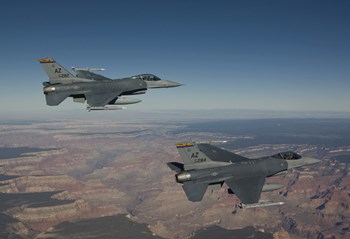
x: 207, y: 166
x: 100, y: 93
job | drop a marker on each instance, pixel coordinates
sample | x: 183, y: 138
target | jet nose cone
x: 162, y: 84
x: 169, y: 83
x: 311, y: 161
x: 304, y: 161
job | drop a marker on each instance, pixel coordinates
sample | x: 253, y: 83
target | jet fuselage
x: 128, y: 86
x: 264, y: 166
x: 206, y: 166
x: 99, y: 92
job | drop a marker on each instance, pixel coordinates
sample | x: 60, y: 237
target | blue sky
x: 263, y: 55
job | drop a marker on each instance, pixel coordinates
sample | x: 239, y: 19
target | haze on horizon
x: 266, y: 56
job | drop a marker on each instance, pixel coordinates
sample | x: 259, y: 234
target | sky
x: 247, y: 55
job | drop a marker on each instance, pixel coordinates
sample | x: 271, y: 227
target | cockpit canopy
x: 289, y: 155
x: 147, y: 77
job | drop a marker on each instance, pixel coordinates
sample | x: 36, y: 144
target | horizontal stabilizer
x: 53, y: 99
x: 195, y: 191
x: 175, y: 166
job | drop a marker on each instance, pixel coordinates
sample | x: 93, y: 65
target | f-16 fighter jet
x: 207, y: 166
x: 100, y: 93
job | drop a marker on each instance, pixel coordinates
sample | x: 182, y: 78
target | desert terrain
x: 55, y: 173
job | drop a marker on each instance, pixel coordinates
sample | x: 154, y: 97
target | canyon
x: 88, y: 170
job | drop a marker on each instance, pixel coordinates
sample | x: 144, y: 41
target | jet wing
x: 218, y: 154
x: 195, y: 191
x: 247, y: 189
x: 101, y: 99
x: 90, y: 75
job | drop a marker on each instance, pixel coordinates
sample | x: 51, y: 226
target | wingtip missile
x: 75, y: 69
x: 106, y: 107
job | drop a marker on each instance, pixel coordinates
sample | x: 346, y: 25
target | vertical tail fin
x: 203, y: 155
x: 193, y: 157
x: 55, y: 72
x: 190, y: 153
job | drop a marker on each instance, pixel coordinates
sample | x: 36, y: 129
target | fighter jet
x: 100, y: 92
x: 207, y: 166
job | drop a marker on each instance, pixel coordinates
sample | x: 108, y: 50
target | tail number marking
x: 199, y: 160
x: 63, y: 75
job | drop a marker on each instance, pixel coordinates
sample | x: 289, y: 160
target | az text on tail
x: 203, y: 155
x: 56, y: 72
